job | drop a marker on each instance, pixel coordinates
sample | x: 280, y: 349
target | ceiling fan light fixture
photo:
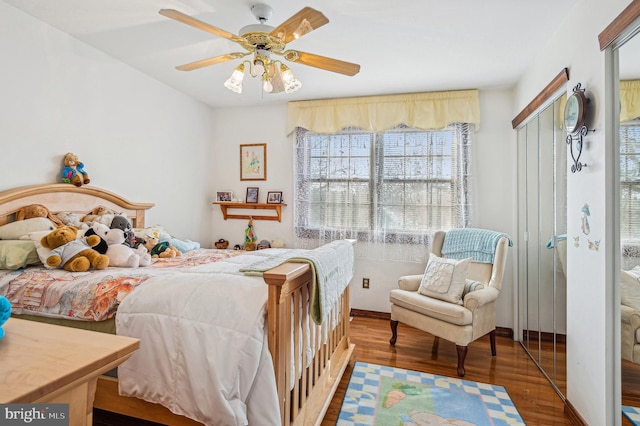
x: 234, y: 83
x: 291, y: 83
x: 267, y: 86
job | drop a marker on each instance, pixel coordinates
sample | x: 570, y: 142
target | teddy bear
x: 162, y: 249
x: 73, y: 170
x: 37, y: 210
x: 71, y: 219
x: 122, y: 223
x: 71, y: 253
x: 118, y: 253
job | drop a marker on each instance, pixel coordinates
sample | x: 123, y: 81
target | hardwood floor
x: 536, y: 401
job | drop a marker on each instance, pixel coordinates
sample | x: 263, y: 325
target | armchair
x: 460, y: 323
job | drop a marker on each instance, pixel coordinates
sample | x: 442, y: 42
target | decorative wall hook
x: 575, y: 117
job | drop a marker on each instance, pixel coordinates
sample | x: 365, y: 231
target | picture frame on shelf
x: 253, y: 161
x: 274, y: 197
x: 224, y: 196
x: 252, y: 195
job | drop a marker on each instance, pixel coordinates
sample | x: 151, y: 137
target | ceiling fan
x: 263, y: 41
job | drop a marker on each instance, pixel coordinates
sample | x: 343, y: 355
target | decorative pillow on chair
x: 444, y: 279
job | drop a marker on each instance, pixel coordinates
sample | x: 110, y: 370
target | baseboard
x: 544, y: 336
x: 370, y: 314
x: 574, y: 417
x: 361, y: 313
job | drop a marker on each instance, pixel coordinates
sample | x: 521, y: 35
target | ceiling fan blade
x: 322, y: 62
x: 196, y: 23
x: 211, y: 61
x: 301, y: 23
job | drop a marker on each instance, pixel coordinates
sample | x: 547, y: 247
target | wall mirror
x: 623, y: 39
x: 542, y: 224
x: 629, y: 178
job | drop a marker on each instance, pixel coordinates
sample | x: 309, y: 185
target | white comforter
x: 204, y: 351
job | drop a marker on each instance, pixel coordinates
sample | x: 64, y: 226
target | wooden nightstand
x: 43, y: 363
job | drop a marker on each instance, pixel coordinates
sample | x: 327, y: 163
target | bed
x: 301, y: 349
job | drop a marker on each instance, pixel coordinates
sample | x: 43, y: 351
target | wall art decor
x: 253, y: 162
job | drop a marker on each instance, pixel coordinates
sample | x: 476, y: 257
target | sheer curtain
x: 389, y: 191
x: 387, y: 171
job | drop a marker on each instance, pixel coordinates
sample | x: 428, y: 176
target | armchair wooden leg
x: 492, y: 339
x: 462, y: 354
x: 394, y: 332
x: 434, y: 348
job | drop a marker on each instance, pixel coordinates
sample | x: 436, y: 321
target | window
x: 630, y: 180
x: 393, y: 187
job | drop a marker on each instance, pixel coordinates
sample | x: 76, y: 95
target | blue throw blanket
x: 478, y: 244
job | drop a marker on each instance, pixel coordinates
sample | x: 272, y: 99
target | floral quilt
x: 96, y: 294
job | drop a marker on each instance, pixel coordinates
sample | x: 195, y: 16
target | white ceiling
x: 403, y: 46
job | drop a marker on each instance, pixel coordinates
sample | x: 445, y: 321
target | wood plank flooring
x: 536, y: 400
x: 533, y: 396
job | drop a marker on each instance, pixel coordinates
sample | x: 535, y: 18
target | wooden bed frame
x: 289, y: 284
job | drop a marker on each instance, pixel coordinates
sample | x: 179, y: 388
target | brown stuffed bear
x: 37, y: 210
x: 73, y: 170
x: 72, y: 254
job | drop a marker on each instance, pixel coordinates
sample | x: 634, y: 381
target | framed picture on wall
x: 252, y: 195
x: 274, y: 197
x: 224, y: 196
x: 253, y: 162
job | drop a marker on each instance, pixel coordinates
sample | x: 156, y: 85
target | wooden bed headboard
x: 64, y: 197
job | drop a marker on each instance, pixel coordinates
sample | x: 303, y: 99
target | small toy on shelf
x: 73, y: 170
x: 250, y: 237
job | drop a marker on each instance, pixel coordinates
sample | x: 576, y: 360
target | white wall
x: 136, y: 136
x: 493, y: 151
x: 591, y: 379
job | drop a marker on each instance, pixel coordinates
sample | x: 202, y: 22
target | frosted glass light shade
x: 234, y: 83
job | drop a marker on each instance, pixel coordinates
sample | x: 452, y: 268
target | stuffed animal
x: 118, y: 253
x: 162, y: 249
x: 102, y: 246
x: 73, y: 170
x: 278, y: 244
x: 71, y: 219
x: 37, y: 210
x: 122, y: 223
x: 74, y: 255
x: 222, y: 244
x: 5, y: 313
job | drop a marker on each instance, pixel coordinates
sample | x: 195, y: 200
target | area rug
x: 387, y: 396
x: 632, y: 413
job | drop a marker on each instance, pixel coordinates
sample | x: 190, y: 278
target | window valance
x: 426, y: 111
x: 629, y: 100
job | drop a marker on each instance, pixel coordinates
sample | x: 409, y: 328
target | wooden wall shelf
x: 226, y: 205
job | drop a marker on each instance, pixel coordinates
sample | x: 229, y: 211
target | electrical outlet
x: 365, y: 283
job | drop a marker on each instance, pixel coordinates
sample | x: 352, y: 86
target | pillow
x: 444, y: 279
x: 630, y: 288
x: 471, y: 285
x: 16, y: 254
x: 43, y: 252
x: 19, y: 228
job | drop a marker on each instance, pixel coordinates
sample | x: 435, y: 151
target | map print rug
x: 388, y: 396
